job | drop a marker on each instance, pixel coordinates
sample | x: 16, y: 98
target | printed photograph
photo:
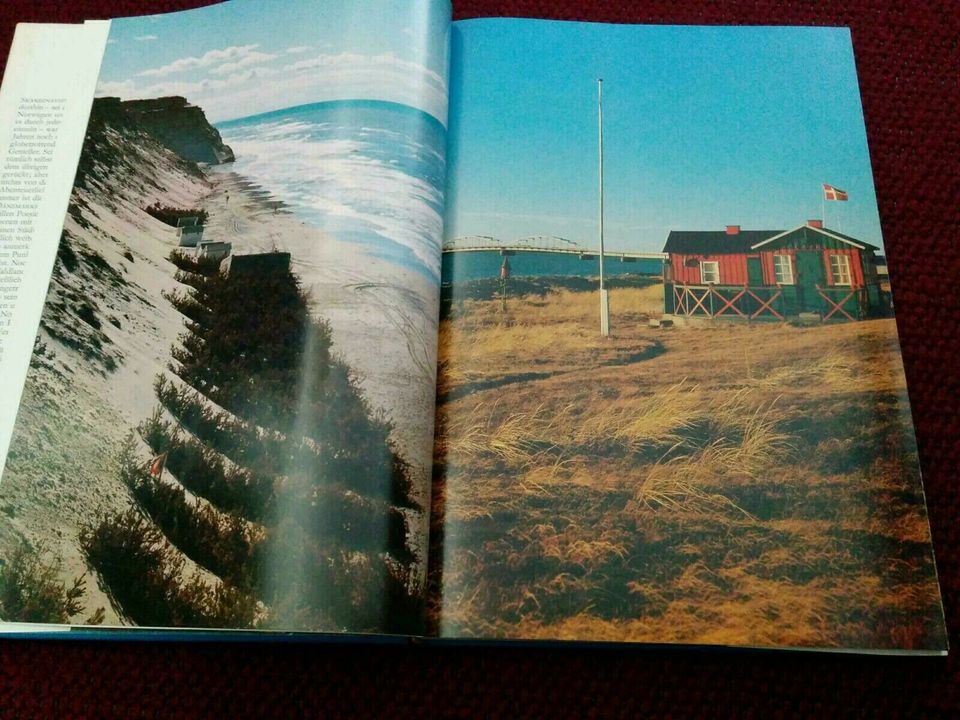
x: 671, y: 401
x: 228, y: 420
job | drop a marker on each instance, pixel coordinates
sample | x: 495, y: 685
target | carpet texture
x: 907, y: 58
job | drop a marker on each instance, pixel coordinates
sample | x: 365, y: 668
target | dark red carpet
x: 908, y: 62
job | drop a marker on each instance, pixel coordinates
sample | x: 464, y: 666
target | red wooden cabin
x: 771, y: 273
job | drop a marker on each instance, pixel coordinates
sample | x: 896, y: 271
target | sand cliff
x: 173, y: 122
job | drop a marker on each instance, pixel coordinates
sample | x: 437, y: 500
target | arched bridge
x: 538, y: 244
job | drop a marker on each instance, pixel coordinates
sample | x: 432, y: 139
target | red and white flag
x: 832, y: 193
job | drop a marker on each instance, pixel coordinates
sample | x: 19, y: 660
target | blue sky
x: 246, y: 57
x: 703, y: 127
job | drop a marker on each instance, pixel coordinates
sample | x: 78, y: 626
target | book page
x: 228, y: 418
x: 43, y: 117
x: 671, y: 402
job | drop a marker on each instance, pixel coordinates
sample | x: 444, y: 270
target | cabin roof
x: 720, y: 242
x: 825, y: 232
x: 714, y: 242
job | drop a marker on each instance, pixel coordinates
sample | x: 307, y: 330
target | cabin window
x: 783, y: 269
x: 709, y: 271
x: 840, y: 269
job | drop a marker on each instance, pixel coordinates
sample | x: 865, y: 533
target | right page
x: 671, y: 402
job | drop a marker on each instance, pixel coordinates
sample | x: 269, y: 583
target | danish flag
x: 832, y: 193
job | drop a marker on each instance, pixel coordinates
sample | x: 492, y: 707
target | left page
x: 227, y: 420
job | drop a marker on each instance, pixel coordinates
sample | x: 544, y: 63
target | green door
x: 810, y: 273
x: 754, y: 280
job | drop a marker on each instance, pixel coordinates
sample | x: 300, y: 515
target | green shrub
x: 191, y: 263
x: 144, y: 576
x: 30, y: 591
x: 65, y: 253
x: 170, y: 215
x: 187, y: 305
x: 204, y: 473
x: 294, y: 446
x: 244, y: 444
x: 190, y: 279
x: 367, y: 464
x: 224, y: 546
x: 89, y: 316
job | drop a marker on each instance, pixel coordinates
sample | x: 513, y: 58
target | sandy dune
x: 74, y: 415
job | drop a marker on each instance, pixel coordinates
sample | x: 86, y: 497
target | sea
x: 461, y: 267
x: 372, y: 173
x: 367, y: 179
x: 368, y: 172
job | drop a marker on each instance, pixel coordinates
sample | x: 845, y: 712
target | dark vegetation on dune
x: 279, y: 480
x: 31, y: 592
x: 173, y: 215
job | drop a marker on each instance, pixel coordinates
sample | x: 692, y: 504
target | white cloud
x: 238, y: 86
x: 254, y: 58
x: 214, y: 57
x: 126, y: 89
x: 298, y: 49
x: 146, y: 38
x: 354, y: 63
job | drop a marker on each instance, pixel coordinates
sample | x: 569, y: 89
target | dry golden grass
x: 651, y: 420
x: 744, y: 485
x: 485, y: 341
x: 516, y: 440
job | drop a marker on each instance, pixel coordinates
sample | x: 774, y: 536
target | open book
x: 339, y: 317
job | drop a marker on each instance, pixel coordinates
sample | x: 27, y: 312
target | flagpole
x: 823, y: 205
x: 604, y: 298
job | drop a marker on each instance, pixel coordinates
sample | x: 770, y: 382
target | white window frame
x: 785, y: 269
x: 840, y: 270
x: 715, y: 273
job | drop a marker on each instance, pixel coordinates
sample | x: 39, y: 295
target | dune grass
x: 485, y: 340
x: 748, y: 485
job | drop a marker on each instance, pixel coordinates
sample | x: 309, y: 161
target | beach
x: 383, y: 315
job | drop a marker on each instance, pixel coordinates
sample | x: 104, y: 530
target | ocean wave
x: 377, y: 185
